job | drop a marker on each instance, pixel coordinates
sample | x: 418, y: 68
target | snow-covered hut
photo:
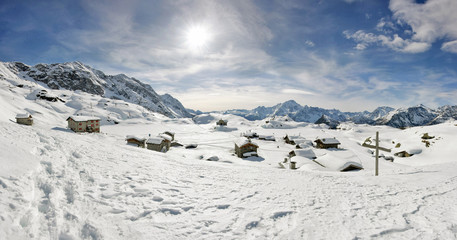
x: 84, y: 123
x: 303, y: 143
x: 327, y: 143
x: 136, y: 141
x: 158, y: 144
x: 222, y: 122
x: 246, y: 148
x: 267, y: 137
x: 25, y: 119
x: 171, y: 134
x: 403, y: 154
x: 307, y: 153
x: 250, y: 134
x: 292, y: 139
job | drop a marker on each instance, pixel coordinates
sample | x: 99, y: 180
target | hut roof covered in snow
x: 24, y: 115
x: 82, y: 118
x: 154, y: 140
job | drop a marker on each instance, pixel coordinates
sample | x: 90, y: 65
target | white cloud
x: 429, y: 22
x: 450, y: 46
x: 309, y: 43
x: 394, y: 42
x: 296, y: 91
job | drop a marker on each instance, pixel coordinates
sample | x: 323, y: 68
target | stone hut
x: 246, y: 148
x: 158, y: 144
x: 84, y: 123
x: 25, y: 119
x: 135, y: 141
x: 222, y: 122
x: 327, y: 143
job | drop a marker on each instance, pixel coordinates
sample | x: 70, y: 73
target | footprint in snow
x: 252, y: 225
x: 157, y: 199
x: 223, y: 206
x: 140, y: 190
x: 116, y: 211
x: 170, y: 211
x: 281, y: 214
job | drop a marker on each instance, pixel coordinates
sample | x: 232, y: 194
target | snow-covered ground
x: 55, y: 184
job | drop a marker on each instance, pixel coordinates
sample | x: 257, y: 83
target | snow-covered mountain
x: 310, y: 114
x: 408, y: 117
x: 77, y: 76
x: 400, y: 118
x: 292, y: 109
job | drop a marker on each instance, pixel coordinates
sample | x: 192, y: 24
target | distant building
x: 267, y: 137
x: 222, y: 122
x: 171, y: 134
x: 403, y: 154
x: 307, y: 153
x: 158, y: 144
x: 292, y: 139
x: 246, y: 148
x: 136, y: 141
x: 327, y: 143
x: 25, y: 119
x: 84, y: 123
x: 250, y: 134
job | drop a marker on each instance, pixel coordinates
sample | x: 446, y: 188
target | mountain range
x: 399, y: 118
x: 78, y: 76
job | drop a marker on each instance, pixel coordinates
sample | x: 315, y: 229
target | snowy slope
x: 62, y: 185
x: 77, y: 76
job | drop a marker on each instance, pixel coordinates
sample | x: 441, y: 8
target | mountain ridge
x: 78, y: 76
x: 419, y: 115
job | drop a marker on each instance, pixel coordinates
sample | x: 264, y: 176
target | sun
x: 197, y: 37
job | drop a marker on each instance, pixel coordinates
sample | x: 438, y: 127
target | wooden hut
x: 222, y: 122
x: 403, y: 154
x: 246, y: 148
x: 327, y: 143
x: 84, y: 123
x: 135, y: 141
x: 292, y: 139
x: 158, y: 144
x: 25, y: 119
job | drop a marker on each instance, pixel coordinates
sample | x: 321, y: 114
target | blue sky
x: 214, y: 55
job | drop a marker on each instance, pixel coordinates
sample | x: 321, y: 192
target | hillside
x: 76, y: 76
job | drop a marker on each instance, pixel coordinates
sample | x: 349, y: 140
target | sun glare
x: 197, y: 38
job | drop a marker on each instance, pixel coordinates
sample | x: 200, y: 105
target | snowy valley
x: 57, y: 184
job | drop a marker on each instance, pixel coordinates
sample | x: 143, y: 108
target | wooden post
x: 377, y: 154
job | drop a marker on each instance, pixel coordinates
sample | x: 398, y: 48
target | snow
x: 165, y: 136
x: 306, y: 152
x: 23, y: 115
x: 244, y: 141
x: 330, y: 141
x: 140, y: 139
x: 154, y: 140
x: 83, y: 118
x: 55, y: 184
